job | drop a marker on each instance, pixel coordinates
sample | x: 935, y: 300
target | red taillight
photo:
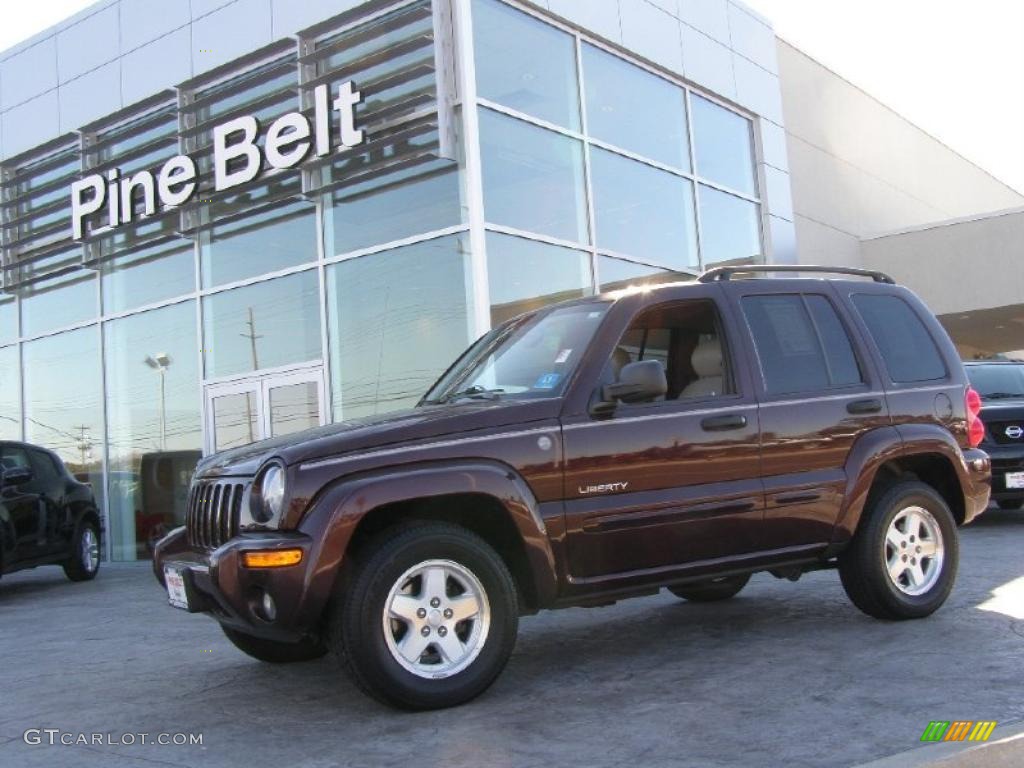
x: 975, y: 426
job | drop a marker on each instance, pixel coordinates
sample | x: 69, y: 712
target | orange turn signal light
x: 272, y: 558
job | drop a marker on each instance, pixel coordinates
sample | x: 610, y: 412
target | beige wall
x: 859, y: 169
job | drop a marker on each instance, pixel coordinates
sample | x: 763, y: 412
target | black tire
x: 77, y: 567
x: 356, y: 629
x: 862, y: 565
x: 1010, y: 504
x: 273, y: 651
x: 711, y: 591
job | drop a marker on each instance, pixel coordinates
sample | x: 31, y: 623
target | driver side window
x: 686, y: 338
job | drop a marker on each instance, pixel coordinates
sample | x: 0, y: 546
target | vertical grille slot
x: 213, y: 512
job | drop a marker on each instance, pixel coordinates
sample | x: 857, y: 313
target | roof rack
x: 726, y: 273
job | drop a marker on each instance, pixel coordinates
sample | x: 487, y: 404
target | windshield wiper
x: 476, y: 392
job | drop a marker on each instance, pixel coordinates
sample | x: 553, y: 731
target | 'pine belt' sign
x: 237, y: 159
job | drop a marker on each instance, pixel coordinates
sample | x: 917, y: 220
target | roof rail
x: 726, y: 273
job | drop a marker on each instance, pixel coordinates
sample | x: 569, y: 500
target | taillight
x: 975, y: 426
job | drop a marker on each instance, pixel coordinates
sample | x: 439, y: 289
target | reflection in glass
x: 58, y: 302
x: 616, y: 274
x: 724, y: 147
x: 397, y: 320
x: 8, y: 319
x: 293, y: 408
x: 148, y: 276
x: 525, y: 64
x: 266, y: 325
x: 259, y: 243
x: 235, y: 420
x: 729, y: 228
x: 10, y: 405
x: 64, y: 401
x: 413, y: 202
x: 634, y: 109
x: 525, y: 275
x: 533, y: 178
x: 643, y: 211
x: 153, y: 425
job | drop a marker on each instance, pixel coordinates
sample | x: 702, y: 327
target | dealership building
x: 230, y: 219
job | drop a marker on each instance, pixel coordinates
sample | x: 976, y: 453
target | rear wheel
x: 902, y: 562
x: 84, y: 562
x: 1010, y: 504
x: 429, y: 619
x: 721, y: 588
x: 273, y: 651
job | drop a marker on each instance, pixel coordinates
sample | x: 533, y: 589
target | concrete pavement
x: 783, y: 675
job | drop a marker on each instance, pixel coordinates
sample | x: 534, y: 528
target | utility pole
x: 251, y: 336
x: 84, y: 444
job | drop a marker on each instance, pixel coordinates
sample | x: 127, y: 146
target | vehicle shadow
x: 41, y: 581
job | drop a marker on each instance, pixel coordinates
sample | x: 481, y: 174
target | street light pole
x: 160, y: 362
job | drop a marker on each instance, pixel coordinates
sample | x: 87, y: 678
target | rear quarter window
x: 906, y: 346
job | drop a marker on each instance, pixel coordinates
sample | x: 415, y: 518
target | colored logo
x: 548, y: 381
x: 1015, y: 432
x: 958, y: 730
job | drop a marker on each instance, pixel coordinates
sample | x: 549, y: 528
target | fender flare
x: 880, y: 446
x: 338, y: 509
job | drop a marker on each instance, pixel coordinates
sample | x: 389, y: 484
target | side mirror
x: 15, y: 476
x: 638, y: 382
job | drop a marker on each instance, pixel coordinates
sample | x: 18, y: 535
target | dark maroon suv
x: 685, y: 436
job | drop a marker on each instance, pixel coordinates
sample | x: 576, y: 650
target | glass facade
x: 343, y: 288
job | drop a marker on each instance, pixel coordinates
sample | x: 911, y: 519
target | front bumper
x: 218, y: 584
x: 1005, y: 459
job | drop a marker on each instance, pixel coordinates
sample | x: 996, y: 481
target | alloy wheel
x: 436, y: 619
x: 914, y: 550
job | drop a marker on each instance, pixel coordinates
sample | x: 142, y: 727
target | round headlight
x: 271, y: 494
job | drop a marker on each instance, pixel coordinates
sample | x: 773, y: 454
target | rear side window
x: 907, y: 348
x: 801, y: 343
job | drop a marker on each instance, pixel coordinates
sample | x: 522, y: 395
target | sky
x: 956, y: 69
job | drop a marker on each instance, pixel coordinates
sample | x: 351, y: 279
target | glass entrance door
x: 246, y: 410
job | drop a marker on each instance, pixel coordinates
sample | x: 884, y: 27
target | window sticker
x: 548, y: 381
x: 563, y: 356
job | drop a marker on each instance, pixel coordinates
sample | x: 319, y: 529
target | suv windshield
x: 529, y: 356
x: 997, y: 382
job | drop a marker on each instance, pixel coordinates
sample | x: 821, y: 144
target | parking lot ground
x: 783, y: 675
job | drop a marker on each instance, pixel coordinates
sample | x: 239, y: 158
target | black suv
x: 1001, y: 386
x: 46, y: 516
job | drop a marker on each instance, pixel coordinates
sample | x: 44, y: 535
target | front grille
x: 997, y: 429
x: 213, y: 509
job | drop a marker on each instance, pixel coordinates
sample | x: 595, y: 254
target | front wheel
x: 711, y: 591
x: 84, y: 562
x: 273, y: 651
x: 902, y: 562
x: 429, y: 619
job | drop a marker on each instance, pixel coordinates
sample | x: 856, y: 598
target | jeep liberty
x: 682, y: 436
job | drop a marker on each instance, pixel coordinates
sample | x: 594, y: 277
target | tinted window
x: 42, y: 466
x: 792, y: 334
x: 13, y: 458
x: 842, y: 363
x: 908, y: 349
x: 997, y: 382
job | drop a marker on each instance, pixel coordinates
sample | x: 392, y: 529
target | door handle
x: 860, y: 407
x: 724, y: 423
